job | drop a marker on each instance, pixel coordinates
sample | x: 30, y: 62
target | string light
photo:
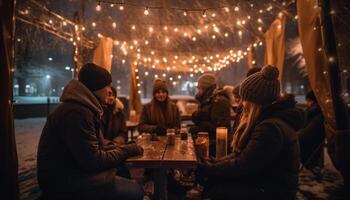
x: 185, y: 13
x: 146, y: 12
x: 121, y: 7
x: 98, y: 7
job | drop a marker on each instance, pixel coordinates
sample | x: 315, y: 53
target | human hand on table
x: 133, y: 150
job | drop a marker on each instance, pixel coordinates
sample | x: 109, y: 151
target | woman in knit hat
x: 265, y: 159
x: 161, y: 113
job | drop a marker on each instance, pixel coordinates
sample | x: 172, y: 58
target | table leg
x: 160, y: 189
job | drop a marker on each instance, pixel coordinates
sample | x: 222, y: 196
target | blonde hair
x: 246, y: 124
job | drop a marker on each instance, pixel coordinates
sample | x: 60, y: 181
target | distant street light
x: 48, y: 76
x: 50, y: 59
x: 67, y: 68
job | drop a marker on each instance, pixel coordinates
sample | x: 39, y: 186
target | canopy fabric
x: 8, y: 153
x: 275, y: 44
x: 102, y: 54
x: 319, y: 68
x: 134, y: 96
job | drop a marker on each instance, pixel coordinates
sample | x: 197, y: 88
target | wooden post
x: 8, y: 154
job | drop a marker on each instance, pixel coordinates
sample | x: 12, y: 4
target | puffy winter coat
x: 70, y: 155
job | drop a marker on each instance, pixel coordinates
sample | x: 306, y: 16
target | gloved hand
x: 160, y: 130
x: 132, y: 150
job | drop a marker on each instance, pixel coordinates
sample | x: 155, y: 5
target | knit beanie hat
x: 262, y: 87
x: 206, y: 80
x: 94, y: 77
x: 159, y: 84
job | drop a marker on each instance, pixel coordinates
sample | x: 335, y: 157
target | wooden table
x: 132, y: 126
x: 160, y: 156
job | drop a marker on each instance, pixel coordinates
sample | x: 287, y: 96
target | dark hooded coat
x: 71, y: 158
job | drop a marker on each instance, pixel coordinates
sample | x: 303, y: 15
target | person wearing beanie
x: 265, y: 159
x: 72, y: 160
x: 312, y: 136
x: 161, y: 113
x: 213, y: 109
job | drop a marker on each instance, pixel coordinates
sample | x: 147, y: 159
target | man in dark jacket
x: 312, y: 136
x: 72, y: 162
x: 213, y: 110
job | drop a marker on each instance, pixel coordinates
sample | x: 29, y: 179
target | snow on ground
x: 325, y: 185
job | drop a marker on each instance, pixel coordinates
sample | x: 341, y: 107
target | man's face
x: 309, y: 103
x: 104, y: 94
x: 200, y: 91
x: 110, y: 98
x: 161, y: 95
x: 237, y: 99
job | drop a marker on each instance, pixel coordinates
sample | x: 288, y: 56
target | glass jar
x: 202, y: 144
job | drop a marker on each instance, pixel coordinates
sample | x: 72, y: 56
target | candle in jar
x: 221, y: 142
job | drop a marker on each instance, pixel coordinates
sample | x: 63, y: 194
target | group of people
x: 84, y: 143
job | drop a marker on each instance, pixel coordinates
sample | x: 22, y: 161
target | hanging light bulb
x: 165, y: 28
x: 204, y: 14
x: 185, y: 13
x: 236, y: 8
x: 114, y: 25
x: 227, y: 9
x: 121, y: 7
x: 150, y: 29
x: 146, y: 12
x: 93, y: 24
x: 226, y: 34
x: 98, y: 7
x: 133, y: 27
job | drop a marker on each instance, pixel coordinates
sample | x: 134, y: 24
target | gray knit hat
x: 206, y: 80
x: 262, y: 87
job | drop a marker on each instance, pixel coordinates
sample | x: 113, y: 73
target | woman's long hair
x: 247, y: 123
x: 161, y: 116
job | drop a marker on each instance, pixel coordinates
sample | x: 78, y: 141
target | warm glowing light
x: 98, y: 7
x: 93, y: 24
x: 121, y: 7
x: 146, y: 12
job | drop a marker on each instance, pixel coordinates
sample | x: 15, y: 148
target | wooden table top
x: 157, y: 154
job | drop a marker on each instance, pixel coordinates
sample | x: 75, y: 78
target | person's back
x: 312, y: 136
x: 71, y: 161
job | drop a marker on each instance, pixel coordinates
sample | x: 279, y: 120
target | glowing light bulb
x: 114, y: 25
x: 98, y: 7
x: 236, y: 8
x: 185, y: 13
x: 121, y: 7
x: 226, y: 34
x: 93, y: 24
x: 146, y: 12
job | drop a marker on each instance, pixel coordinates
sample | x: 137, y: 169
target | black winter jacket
x: 70, y: 155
